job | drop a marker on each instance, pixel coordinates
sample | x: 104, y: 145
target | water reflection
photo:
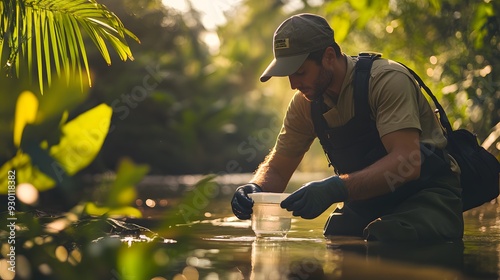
x: 351, y: 258
x: 284, y: 258
x: 227, y: 249
x: 446, y: 254
x: 374, y: 260
x: 269, y: 259
x: 305, y: 254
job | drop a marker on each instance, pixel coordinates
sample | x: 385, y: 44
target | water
x: 224, y: 247
x: 230, y: 250
x: 196, y: 236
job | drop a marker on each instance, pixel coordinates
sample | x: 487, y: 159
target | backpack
x: 479, y: 178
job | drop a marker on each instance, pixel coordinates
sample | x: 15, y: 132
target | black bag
x: 479, y: 176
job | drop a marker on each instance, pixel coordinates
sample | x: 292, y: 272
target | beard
x: 325, y: 78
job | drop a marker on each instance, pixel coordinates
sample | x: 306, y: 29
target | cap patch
x: 281, y: 44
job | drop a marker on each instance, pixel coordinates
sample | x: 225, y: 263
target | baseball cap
x: 294, y: 40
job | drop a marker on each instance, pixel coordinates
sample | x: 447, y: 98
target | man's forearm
x: 269, y: 180
x: 380, y: 178
x: 275, y: 172
x: 399, y: 166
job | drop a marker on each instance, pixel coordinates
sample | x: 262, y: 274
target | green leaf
x: 54, y: 43
x: 479, y: 22
x: 38, y: 47
x: 25, y: 173
x: 124, y: 211
x: 26, y: 113
x: 29, y: 30
x: 82, y: 139
x: 51, y: 30
x: 342, y: 25
x: 122, y: 191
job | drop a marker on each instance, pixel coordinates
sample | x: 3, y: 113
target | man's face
x: 311, y: 79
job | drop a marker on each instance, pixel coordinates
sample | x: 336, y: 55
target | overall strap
x: 318, y: 108
x: 442, y: 114
x: 361, y: 82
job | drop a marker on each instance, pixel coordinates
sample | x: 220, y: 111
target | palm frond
x: 46, y: 35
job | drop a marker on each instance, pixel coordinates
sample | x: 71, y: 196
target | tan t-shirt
x: 395, y: 100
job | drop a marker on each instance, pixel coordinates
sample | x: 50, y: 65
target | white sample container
x: 268, y: 218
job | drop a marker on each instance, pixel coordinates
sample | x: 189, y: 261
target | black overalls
x: 425, y: 209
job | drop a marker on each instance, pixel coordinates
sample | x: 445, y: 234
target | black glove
x: 314, y: 198
x: 242, y: 204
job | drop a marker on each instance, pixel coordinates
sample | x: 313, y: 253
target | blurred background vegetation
x: 190, y: 101
x: 206, y: 112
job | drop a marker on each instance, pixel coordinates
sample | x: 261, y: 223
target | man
x: 403, y: 187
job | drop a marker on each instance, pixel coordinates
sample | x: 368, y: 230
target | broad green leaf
x: 82, y: 139
x: 25, y: 173
x: 26, y: 112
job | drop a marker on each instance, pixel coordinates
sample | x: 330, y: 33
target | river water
x: 223, y: 247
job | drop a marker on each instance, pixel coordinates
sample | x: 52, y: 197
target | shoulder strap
x: 443, y: 118
x: 318, y: 107
x: 442, y: 114
x: 361, y: 82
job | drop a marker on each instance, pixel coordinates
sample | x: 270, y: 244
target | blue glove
x: 315, y: 197
x: 242, y: 204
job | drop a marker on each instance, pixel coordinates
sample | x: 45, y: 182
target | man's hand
x: 315, y: 197
x: 242, y: 204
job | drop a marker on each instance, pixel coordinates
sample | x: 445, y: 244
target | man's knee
x: 344, y: 222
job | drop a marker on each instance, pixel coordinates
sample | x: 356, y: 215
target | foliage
x: 79, y: 245
x: 179, y: 107
x: 48, y: 33
x: 182, y: 109
x: 202, y: 111
x: 47, y: 144
x: 454, y: 50
x: 121, y: 194
x: 453, y: 45
x: 45, y: 157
